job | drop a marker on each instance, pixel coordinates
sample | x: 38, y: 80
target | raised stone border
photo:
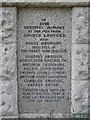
x: 80, y: 53
x: 45, y: 3
x: 8, y: 67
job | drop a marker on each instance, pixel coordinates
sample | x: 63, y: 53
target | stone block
x: 79, y: 97
x: 80, y: 25
x: 80, y: 63
x: 8, y: 69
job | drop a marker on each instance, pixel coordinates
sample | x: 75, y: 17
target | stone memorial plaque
x: 44, y: 60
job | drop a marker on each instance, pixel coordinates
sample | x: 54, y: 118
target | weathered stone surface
x: 80, y: 63
x: 80, y: 25
x: 51, y: 115
x: 45, y: 3
x: 80, y: 53
x: 44, y: 101
x: 79, y: 97
x: 8, y: 75
x: 8, y: 72
x: 8, y: 24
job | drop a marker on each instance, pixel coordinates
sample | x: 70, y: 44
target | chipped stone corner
x: 8, y: 69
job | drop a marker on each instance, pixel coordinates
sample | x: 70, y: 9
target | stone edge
x: 44, y: 3
x: 8, y: 76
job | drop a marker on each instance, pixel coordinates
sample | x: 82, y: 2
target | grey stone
x: 80, y: 62
x: 79, y: 97
x: 45, y: 3
x: 80, y: 25
x: 8, y: 70
x: 80, y: 54
x: 34, y: 17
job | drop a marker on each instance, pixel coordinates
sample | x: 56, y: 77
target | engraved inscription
x: 44, y: 60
